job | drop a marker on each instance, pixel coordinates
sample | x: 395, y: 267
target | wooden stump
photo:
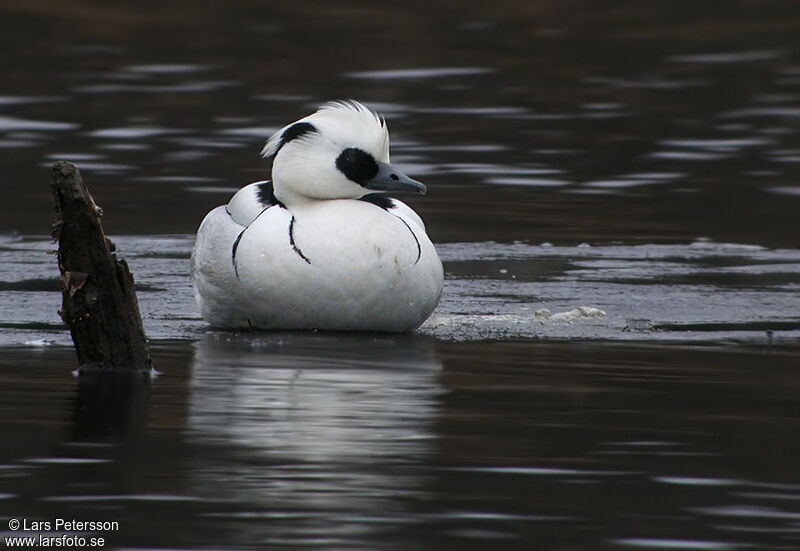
x: 98, y: 299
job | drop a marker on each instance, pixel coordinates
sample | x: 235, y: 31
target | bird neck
x: 291, y: 198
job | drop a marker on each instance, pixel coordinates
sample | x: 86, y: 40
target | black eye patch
x: 358, y: 165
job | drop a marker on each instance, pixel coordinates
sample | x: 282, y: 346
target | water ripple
x: 728, y: 57
x: 11, y: 124
x: 687, y: 545
x: 181, y: 88
x: 133, y: 132
x: 167, y: 69
x: 422, y: 73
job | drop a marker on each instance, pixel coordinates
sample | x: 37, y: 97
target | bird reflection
x: 313, y: 420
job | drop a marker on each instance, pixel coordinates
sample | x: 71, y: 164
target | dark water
x: 315, y: 441
x: 552, y: 121
x: 638, y: 158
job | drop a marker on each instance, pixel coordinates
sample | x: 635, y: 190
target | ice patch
x: 40, y: 342
x: 581, y: 313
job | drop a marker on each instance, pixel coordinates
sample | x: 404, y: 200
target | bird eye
x: 358, y: 165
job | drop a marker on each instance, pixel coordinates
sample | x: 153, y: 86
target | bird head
x: 339, y: 152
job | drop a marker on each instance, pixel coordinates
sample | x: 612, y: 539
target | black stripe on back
x: 379, y: 200
x: 266, y: 196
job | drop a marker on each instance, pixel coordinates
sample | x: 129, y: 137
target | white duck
x: 313, y: 248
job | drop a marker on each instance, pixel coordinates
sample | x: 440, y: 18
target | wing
x: 250, y: 201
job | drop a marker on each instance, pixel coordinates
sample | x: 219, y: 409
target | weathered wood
x: 98, y: 299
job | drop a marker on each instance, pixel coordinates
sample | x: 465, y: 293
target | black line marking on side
x: 239, y: 238
x: 233, y: 252
x: 292, y: 243
x: 419, y: 248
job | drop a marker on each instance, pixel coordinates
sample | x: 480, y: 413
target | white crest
x: 348, y: 123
